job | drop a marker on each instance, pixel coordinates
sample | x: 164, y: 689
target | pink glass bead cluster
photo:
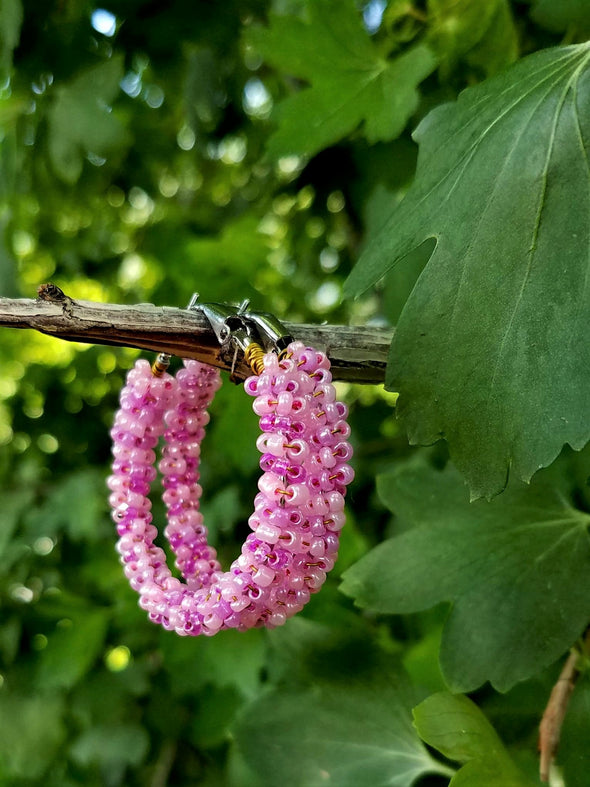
x: 298, y: 512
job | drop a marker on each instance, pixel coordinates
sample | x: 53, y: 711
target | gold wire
x: 254, y: 355
x: 161, y: 364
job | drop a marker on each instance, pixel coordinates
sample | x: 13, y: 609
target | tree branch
x: 556, y: 709
x: 357, y: 354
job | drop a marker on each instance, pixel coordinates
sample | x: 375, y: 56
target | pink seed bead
x: 239, y: 603
x: 317, y: 547
x: 278, y: 618
x: 297, y: 451
x: 263, y: 576
x: 284, y: 403
x: 268, y: 532
x: 315, y: 578
x: 268, y: 484
x: 344, y: 474
x: 271, y: 443
x: 335, y: 501
x: 264, y: 404
x: 335, y: 522
x: 297, y: 494
x: 326, y: 457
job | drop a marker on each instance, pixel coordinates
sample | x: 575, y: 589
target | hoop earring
x: 298, y: 511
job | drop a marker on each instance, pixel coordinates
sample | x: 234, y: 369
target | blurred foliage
x: 242, y: 149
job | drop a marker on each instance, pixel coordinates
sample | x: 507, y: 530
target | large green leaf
x: 80, y: 121
x: 346, y: 733
x: 458, y: 729
x: 517, y: 569
x: 492, y: 351
x: 352, y: 84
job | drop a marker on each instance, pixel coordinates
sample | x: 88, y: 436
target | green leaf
x: 479, y: 31
x: 11, y: 19
x: 499, y: 47
x: 573, y: 754
x: 72, y: 650
x: 236, y: 447
x: 225, y: 263
x: 111, y: 744
x: 306, y: 651
x: 516, y: 568
x: 400, y: 281
x: 80, y: 119
x: 32, y: 731
x: 213, y: 716
x: 8, y: 266
x: 558, y: 17
x: 12, y: 505
x: 345, y: 732
x: 76, y: 505
x: 222, y: 512
x: 456, y: 727
x: 421, y: 661
x: 492, y: 350
x: 234, y: 661
x: 352, y: 85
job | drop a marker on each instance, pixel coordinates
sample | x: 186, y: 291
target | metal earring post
x: 252, y: 332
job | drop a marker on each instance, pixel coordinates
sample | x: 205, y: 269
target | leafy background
x: 258, y: 149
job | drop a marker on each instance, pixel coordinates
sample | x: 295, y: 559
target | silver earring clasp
x: 243, y: 326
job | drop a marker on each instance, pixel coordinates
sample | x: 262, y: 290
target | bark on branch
x: 556, y: 708
x: 358, y: 354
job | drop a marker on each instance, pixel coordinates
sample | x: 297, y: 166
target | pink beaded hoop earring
x: 298, y: 512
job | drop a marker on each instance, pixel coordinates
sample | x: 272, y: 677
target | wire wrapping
x: 254, y: 355
x: 161, y: 364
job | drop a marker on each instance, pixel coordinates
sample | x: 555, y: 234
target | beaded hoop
x: 298, y: 511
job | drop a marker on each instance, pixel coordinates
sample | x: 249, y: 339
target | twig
x: 164, y: 764
x: 358, y: 354
x: 554, y: 714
